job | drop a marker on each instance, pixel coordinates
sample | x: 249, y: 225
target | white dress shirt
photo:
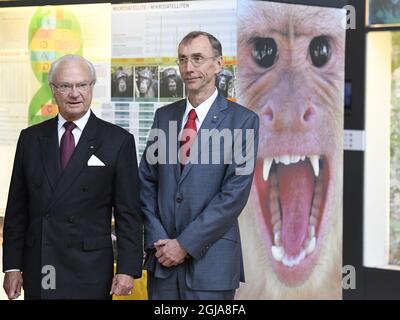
x: 201, y: 110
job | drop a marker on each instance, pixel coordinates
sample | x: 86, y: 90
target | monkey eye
x: 265, y: 51
x: 320, y: 51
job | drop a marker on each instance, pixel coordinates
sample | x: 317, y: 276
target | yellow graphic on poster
x: 53, y: 32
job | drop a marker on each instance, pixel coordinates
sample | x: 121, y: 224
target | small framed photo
x: 383, y: 12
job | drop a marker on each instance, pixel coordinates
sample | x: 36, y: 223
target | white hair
x: 69, y: 57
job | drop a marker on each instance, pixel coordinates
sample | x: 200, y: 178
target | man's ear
x: 220, y: 61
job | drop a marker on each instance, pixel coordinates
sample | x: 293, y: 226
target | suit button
x: 47, y: 216
x: 71, y: 219
x: 179, y: 200
x: 85, y: 189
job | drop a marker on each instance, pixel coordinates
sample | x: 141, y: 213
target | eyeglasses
x: 196, y: 61
x: 82, y: 87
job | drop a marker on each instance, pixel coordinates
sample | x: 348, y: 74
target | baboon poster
x: 290, y: 70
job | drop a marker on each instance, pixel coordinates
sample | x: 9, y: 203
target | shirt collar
x: 80, y: 123
x: 202, y: 109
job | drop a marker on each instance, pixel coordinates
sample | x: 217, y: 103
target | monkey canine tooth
x: 315, y: 164
x: 266, y: 167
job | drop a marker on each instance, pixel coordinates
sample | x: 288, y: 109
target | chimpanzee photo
x: 122, y: 84
x: 171, y: 84
x: 146, y: 82
x: 225, y: 83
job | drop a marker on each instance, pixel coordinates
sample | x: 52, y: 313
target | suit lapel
x: 177, y: 116
x: 214, y: 117
x: 50, y: 152
x: 87, y: 145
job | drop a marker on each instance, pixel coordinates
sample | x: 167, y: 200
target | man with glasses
x: 191, y: 206
x: 70, y: 174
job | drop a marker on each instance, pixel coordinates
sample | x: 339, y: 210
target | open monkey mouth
x: 292, y: 191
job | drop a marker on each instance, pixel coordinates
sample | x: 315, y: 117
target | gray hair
x: 215, y: 44
x: 70, y: 57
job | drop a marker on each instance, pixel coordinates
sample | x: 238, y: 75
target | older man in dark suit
x: 70, y: 174
x: 191, y: 208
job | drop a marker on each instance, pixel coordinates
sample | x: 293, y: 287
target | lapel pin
x: 215, y: 117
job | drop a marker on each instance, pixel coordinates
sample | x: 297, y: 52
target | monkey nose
x: 278, y: 120
x: 268, y: 114
x: 309, y: 114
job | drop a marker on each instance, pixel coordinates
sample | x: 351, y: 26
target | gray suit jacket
x: 200, y: 205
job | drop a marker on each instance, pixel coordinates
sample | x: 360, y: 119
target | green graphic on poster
x: 53, y: 32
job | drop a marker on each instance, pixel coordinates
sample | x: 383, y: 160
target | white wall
x: 377, y: 151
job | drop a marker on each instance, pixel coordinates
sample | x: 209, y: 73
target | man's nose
x: 74, y: 91
x: 189, y: 65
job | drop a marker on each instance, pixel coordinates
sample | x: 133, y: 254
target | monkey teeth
x: 315, y: 164
x: 278, y: 252
x: 309, y: 245
x: 266, y: 167
x: 288, y: 159
x: 293, y: 261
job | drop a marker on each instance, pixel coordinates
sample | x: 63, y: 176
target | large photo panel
x: 290, y: 70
